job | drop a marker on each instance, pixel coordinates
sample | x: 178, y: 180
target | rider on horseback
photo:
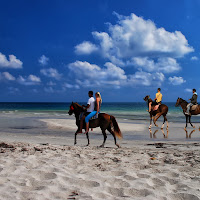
x: 157, y: 100
x: 193, y: 101
x: 90, y: 108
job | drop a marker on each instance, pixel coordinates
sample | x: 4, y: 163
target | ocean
x: 131, y: 111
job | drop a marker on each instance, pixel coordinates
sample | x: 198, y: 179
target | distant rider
x: 157, y: 100
x: 193, y: 101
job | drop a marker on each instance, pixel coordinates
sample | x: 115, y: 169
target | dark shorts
x: 154, y: 103
x: 87, y: 113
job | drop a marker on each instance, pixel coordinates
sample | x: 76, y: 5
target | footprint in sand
x: 138, y: 193
x: 118, y: 173
x: 47, y: 176
x: 117, y: 192
x: 90, y: 184
x: 143, y: 175
x: 130, y: 178
x: 157, y: 182
x: 118, y: 183
x: 184, y: 196
x: 171, y: 181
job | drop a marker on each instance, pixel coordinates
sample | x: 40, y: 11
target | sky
x: 56, y: 51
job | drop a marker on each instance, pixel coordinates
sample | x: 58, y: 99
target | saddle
x: 82, y: 113
x: 194, y: 107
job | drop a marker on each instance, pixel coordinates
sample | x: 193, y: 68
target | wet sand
x: 39, y: 161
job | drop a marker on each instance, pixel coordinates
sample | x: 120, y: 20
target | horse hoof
x: 118, y: 145
x: 101, y: 146
x: 87, y: 145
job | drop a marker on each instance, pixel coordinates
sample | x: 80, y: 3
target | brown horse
x: 162, y: 110
x: 104, y: 121
x: 181, y: 102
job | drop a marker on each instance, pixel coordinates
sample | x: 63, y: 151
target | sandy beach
x: 39, y: 161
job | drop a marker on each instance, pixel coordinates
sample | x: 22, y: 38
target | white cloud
x: 146, y: 79
x: 194, y: 58
x: 85, y: 48
x: 164, y: 65
x: 12, y: 62
x: 176, y: 80
x: 30, y: 80
x: 133, y: 41
x: 33, y: 78
x: 43, y: 60
x: 85, y: 70
x: 188, y: 90
x: 70, y: 86
x: 51, y: 72
x: 6, y: 76
x: 87, y: 74
x: 133, y: 36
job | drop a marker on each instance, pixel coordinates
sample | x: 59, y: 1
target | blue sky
x: 56, y: 51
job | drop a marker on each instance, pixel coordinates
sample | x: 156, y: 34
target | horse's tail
x: 117, y: 130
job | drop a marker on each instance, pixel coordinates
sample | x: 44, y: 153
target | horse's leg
x: 113, y: 134
x: 186, y: 117
x: 191, y: 133
x: 150, y: 121
x: 87, y: 134
x: 165, y: 119
x: 190, y: 121
x: 105, y: 137
x: 75, y: 136
x: 156, y: 118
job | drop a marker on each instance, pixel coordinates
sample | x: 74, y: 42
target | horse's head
x: 146, y: 98
x: 178, y: 102
x: 71, y: 108
x: 75, y: 108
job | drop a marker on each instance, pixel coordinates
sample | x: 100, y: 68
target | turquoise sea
x: 133, y: 110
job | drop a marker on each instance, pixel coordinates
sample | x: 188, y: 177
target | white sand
x: 64, y: 172
x: 150, y: 165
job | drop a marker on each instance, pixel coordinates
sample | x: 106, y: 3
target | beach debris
x: 73, y: 195
x: 37, y: 149
x: 4, y: 145
x: 116, y: 160
x: 152, y: 158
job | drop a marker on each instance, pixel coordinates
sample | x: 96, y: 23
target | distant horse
x: 162, y: 110
x: 104, y: 121
x: 181, y: 102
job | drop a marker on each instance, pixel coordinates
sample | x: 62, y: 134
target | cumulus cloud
x: 43, y: 60
x: 188, y: 90
x: 146, y: 79
x: 30, y: 80
x: 85, y: 48
x: 91, y: 71
x: 176, y: 80
x: 51, y: 73
x: 194, y: 58
x: 87, y: 74
x: 135, y: 42
x: 164, y: 65
x: 11, y: 62
x: 134, y: 36
x: 70, y: 86
x: 6, y: 76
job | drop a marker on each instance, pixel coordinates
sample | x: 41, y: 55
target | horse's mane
x: 184, y: 101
